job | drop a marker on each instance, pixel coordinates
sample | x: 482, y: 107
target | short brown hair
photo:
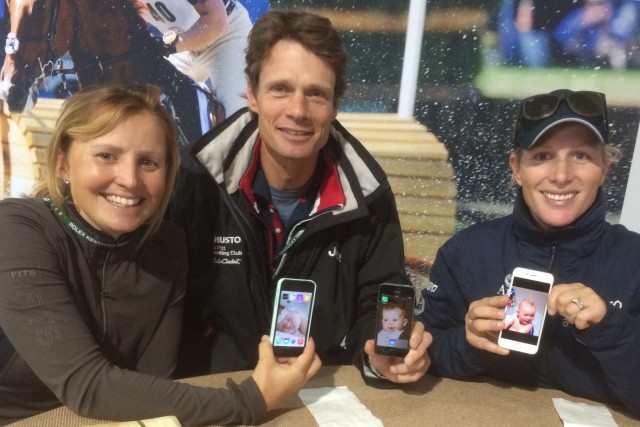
x: 314, y: 32
x: 95, y: 111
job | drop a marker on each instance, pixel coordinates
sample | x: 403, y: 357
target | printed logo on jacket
x: 227, y: 250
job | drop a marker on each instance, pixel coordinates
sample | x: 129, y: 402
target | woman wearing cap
x: 591, y: 338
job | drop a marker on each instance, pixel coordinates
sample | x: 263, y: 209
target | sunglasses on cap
x: 584, y: 103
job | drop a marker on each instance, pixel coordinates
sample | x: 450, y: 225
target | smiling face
x: 560, y: 175
x: 117, y: 180
x: 294, y: 102
x: 526, y: 313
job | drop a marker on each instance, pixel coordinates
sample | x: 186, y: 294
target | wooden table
x: 432, y: 401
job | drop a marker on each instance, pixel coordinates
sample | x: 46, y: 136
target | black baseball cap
x: 539, y: 113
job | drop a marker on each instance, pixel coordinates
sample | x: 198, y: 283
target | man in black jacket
x: 283, y: 190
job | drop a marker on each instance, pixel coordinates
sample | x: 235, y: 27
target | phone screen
x: 526, y: 311
x: 292, y: 313
x: 393, y: 320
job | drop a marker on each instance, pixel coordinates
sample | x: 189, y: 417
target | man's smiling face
x: 295, y: 105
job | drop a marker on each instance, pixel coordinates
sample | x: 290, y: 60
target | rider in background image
x: 255, y: 8
x: 206, y: 40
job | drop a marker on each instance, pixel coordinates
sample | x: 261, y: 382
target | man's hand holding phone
x: 399, y: 351
x: 408, y: 369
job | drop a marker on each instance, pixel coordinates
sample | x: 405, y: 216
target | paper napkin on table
x: 582, y: 414
x: 169, y: 421
x: 337, y: 406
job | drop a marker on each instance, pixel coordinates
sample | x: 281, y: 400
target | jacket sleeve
x: 383, y: 261
x: 444, y: 317
x: 41, y: 320
x: 614, y: 342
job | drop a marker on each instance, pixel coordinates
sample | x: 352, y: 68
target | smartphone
x: 394, y: 319
x: 526, y: 310
x: 292, y: 313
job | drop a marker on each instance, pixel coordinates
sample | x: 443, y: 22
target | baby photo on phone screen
x: 524, y: 311
x: 392, y: 322
x: 293, y: 313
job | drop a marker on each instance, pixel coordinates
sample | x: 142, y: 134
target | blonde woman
x: 92, y: 279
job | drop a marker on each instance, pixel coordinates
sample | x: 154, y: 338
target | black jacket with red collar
x: 350, y: 243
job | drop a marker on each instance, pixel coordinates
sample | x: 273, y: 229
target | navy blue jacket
x: 600, y: 362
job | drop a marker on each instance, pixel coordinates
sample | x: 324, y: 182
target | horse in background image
x: 19, y: 76
x: 108, y: 43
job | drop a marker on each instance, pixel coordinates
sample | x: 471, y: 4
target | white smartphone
x: 292, y: 314
x: 526, y: 310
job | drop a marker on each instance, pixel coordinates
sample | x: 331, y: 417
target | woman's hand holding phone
x: 483, y: 323
x: 277, y: 380
x: 291, y: 317
x: 408, y: 369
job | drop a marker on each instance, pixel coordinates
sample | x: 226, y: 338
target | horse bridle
x: 103, y: 61
x: 13, y: 43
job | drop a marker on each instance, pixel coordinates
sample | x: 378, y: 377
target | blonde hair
x: 95, y: 111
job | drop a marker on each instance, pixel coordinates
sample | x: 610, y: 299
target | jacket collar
x: 228, y: 150
x: 325, y: 186
x: 580, y: 237
x: 69, y: 216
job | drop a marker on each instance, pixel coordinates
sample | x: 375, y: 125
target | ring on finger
x: 577, y: 301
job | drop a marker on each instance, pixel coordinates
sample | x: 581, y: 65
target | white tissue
x: 582, y: 414
x: 337, y: 406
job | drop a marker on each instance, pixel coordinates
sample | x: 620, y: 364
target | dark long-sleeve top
x: 94, y: 323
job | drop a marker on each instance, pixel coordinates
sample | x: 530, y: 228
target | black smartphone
x: 292, y: 313
x: 394, y: 319
x: 526, y: 310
